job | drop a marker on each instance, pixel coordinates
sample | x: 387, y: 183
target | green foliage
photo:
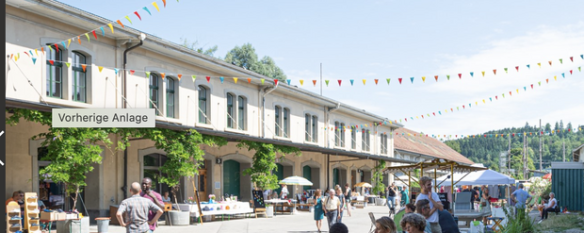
x: 518, y: 223
x: 378, y: 177
x: 487, y: 150
x: 72, y: 151
x: 264, y: 162
x: 561, y: 223
x: 246, y: 57
x: 195, y: 46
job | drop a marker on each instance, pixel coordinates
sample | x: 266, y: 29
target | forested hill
x: 488, y: 150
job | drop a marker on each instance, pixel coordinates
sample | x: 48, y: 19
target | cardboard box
x: 72, y: 216
x: 53, y: 216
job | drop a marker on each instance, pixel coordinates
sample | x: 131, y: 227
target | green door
x: 307, y: 173
x: 280, y: 174
x: 335, y: 176
x: 231, y: 174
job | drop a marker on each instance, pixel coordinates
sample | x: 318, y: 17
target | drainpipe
x: 267, y: 91
x: 124, y: 94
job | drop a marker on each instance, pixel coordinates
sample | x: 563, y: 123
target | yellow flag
x: 483, y: 101
x: 517, y: 90
x: 539, y: 64
x: 36, y: 51
x: 556, y: 78
x: 235, y: 79
x: 100, y: 68
x: 483, y: 74
x: 423, y: 78
x: 364, y: 80
x: 156, y: 6
x: 477, y: 103
x: 301, y: 82
x: 69, y: 42
x: 445, y: 110
x: 111, y: 27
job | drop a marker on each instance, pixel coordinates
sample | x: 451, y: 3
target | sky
x: 392, y: 39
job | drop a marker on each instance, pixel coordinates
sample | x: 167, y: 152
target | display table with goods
x: 225, y: 208
x: 283, y: 203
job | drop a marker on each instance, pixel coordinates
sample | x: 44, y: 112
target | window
x: 153, y: 86
x: 365, y: 139
x: 383, y: 138
x: 241, y: 112
x: 204, y: 106
x: 55, y: 73
x: 79, y: 78
x: 353, y: 138
x: 170, y: 97
x: 282, y: 121
x: 230, y: 113
x: 310, y: 127
x: 314, y: 129
x: 277, y: 120
x: 337, y: 134
x: 342, y: 132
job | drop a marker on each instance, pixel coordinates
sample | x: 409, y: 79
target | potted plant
x: 211, y: 198
x: 269, y: 210
x: 380, y: 201
x: 379, y: 186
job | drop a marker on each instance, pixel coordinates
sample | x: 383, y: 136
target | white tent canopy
x: 485, y: 177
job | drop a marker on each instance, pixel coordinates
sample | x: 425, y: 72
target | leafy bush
x: 518, y: 223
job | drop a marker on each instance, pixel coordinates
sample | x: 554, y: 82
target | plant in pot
x: 379, y: 185
x: 264, y: 162
x: 183, y: 159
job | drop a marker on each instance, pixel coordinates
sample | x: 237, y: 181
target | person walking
x: 348, y: 194
x: 435, y: 203
x: 138, y: 209
x: 318, y: 209
x: 331, y: 207
x: 391, y: 192
x: 152, y: 196
x: 342, y: 200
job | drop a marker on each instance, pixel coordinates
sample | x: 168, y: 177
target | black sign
x: 258, y: 199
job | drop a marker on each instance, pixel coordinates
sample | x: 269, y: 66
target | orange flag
x: 376, y: 81
x: 248, y: 80
x: 314, y: 82
x: 436, y: 77
x: 179, y: 76
x: 84, y: 67
x: 550, y: 62
x: 120, y: 22
x: 162, y: 75
x: 495, y: 72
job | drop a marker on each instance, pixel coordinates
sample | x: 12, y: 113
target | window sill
x: 340, y: 148
x: 236, y: 131
x: 282, y: 138
x: 65, y: 102
x: 168, y: 119
x: 311, y: 143
x: 203, y: 125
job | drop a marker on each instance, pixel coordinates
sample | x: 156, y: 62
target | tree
x: 72, y: 151
x: 454, y: 145
x: 195, y: 46
x: 264, y: 162
x: 246, y: 57
x: 378, y: 177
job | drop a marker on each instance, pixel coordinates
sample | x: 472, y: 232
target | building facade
x: 122, y: 70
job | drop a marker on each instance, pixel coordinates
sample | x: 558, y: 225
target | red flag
x: 94, y: 35
x: 496, y: 97
x: 510, y: 93
x: 531, y: 86
x: 406, y: 119
x: 517, y: 68
x: 339, y: 82
x: 495, y: 71
x: 451, y: 110
x: 434, y: 113
x: 53, y: 63
x: 456, y: 135
x: 276, y: 81
x: 572, y: 59
x: 399, y: 79
x: 485, y: 135
x: 208, y: 79
x: 463, y: 106
x: 136, y: 13
x: 56, y: 48
x: 132, y: 72
x: 422, y: 116
x: 164, y: 1
x: 541, y: 132
x: 376, y: 81
x: 513, y: 134
x: 460, y: 75
x: 570, y: 72
x: 436, y: 77
x: 547, y: 80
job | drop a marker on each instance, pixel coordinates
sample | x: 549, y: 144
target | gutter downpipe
x: 125, y: 187
x: 266, y: 92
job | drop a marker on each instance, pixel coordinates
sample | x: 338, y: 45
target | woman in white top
x: 550, y: 206
x: 284, y: 192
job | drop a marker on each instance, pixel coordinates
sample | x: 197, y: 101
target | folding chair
x: 372, y: 229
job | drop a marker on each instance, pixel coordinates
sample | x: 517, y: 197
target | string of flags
x: 478, y: 136
x: 94, y: 33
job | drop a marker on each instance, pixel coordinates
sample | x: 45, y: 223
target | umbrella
x: 363, y: 185
x: 547, y: 176
x: 296, y: 180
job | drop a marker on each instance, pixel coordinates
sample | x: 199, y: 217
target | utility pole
x: 540, y: 156
x: 524, y: 156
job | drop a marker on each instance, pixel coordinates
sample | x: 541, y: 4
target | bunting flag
x: 179, y: 76
x: 120, y: 23
x: 385, y: 79
x: 235, y: 80
x: 412, y: 79
x: 539, y: 64
x: 276, y: 82
x: 86, y: 35
x: 147, y: 74
x: 376, y: 81
x: 221, y: 79
x: 208, y: 79
x: 288, y: 81
x: 423, y: 79
x: 352, y: 81
x: 301, y: 82
x: 100, y: 68
x: 162, y: 75
x: 129, y: 20
x: 459, y: 75
x: 34, y: 60
x: 82, y: 66
x: 164, y: 1
x: 561, y: 62
x: 262, y: 81
x: 79, y: 39
x: 248, y: 80
x: 95, y: 35
x: 495, y: 72
x: 550, y: 63
x: 314, y: 82
x: 528, y: 67
x: 364, y: 81
x: 116, y: 70
x: 137, y: 14
x: 194, y: 77
x: 483, y: 73
x: 471, y: 74
x: 517, y: 68
x: 111, y: 27
x: 327, y: 82
x: 156, y: 6
x: 506, y: 70
x: 436, y: 77
x: 339, y: 81
x: 132, y: 72
x: 400, y: 80
x: 146, y: 9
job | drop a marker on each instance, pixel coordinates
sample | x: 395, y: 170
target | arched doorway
x: 339, y: 176
x: 279, y: 172
x: 307, y: 174
x: 231, y: 178
x: 311, y: 171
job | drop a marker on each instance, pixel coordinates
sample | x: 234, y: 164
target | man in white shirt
x: 331, y: 207
x: 550, y: 206
x: 284, y: 193
x: 435, y: 203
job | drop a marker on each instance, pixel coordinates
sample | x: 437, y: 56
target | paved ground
x: 300, y: 222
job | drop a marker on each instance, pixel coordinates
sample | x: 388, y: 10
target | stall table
x: 275, y: 202
x: 219, y: 209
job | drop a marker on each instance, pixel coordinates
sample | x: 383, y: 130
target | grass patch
x: 562, y: 222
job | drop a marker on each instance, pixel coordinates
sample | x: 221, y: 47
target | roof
x: 576, y: 153
x: 438, y: 165
x: 426, y: 146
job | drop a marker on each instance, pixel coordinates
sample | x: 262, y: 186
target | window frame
x: 154, y: 91
x: 230, y: 110
x: 353, y: 138
x: 203, y: 109
x: 58, y: 66
x: 241, y: 112
x: 277, y: 113
x: 170, y: 85
x: 77, y: 69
